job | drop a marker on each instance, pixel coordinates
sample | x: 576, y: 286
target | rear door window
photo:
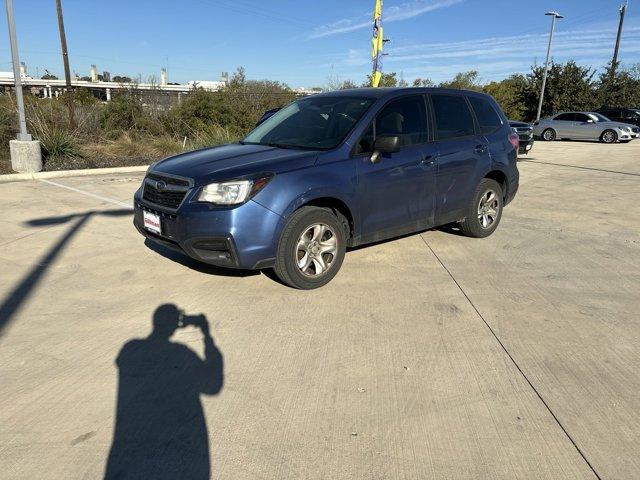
x: 453, y: 117
x: 486, y: 115
x: 565, y: 117
x: 406, y: 118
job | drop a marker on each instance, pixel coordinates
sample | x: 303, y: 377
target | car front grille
x: 635, y: 129
x: 524, y: 133
x: 165, y: 191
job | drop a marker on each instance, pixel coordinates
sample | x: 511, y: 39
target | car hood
x: 516, y: 123
x: 226, y: 162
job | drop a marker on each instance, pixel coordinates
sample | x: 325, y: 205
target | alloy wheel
x: 609, y: 137
x: 488, y: 209
x: 316, y: 249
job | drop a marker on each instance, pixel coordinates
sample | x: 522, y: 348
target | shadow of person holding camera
x: 160, y: 430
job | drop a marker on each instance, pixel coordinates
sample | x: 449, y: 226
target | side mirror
x: 385, y: 144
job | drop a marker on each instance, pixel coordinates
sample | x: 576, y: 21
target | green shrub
x: 8, y: 123
x: 47, y: 121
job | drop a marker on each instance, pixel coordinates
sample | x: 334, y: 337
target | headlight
x: 232, y: 192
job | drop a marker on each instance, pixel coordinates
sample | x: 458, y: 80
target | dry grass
x: 129, y: 146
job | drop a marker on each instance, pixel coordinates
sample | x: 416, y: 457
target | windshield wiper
x: 279, y: 145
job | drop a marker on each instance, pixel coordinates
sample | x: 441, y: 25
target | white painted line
x: 88, y: 194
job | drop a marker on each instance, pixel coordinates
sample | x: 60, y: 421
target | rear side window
x: 453, y: 117
x: 566, y: 117
x: 485, y: 113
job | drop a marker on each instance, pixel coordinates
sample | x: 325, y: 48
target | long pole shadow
x: 23, y: 290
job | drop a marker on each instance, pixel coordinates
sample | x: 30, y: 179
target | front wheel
x: 485, y: 211
x: 609, y: 136
x: 549, y: 135
x: 311, y: 248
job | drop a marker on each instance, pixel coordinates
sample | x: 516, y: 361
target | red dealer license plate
x: 152, y: 222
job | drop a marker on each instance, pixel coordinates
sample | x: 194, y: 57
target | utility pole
x: 65, y: 60
x: 614, y: 62
x: 554, y: 15
x: 26, y: 156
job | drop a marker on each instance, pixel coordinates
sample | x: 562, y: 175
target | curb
x: 21, y: 177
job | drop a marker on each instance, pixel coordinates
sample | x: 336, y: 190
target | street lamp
x: 554, y: 15
x: 25, y: 152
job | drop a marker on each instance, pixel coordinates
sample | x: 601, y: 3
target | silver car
x: 584, y: 126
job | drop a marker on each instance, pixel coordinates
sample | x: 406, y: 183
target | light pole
x: 25, y: 152
x: 23, y: 135
x: 554, y: 15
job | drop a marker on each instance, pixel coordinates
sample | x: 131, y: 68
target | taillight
x: 514, y: 140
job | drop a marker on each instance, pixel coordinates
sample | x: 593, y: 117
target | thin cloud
x: 396, y: 13
x: 497, y: 57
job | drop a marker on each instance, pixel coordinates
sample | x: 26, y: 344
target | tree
x: 120, y: 79
x: 347, y: 84
x: 236, y: 108
x: 49, y: 76
x: 387, y: 80
x: 423, y: 82
x: 464, y: 80
x: 508, y: 94
x: 619, y: 87
x: 569, y: 87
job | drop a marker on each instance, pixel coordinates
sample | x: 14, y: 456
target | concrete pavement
x: 432, y: 356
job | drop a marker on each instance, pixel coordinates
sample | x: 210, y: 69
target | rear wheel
x: 311, y: 248
x: 485, y: 211
x: 609, y: 136
x: 549, y: 134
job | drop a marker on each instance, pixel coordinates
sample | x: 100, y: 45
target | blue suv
x: 333, y: 171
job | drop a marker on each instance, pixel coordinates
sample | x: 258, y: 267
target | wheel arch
x: 500, y: 177
x: 331, y: 201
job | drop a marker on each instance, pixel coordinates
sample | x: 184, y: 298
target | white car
x: 584, y: 126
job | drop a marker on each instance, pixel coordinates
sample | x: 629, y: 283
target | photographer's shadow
x: 160, y: 430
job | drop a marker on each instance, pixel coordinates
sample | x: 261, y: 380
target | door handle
x: 480, y: 149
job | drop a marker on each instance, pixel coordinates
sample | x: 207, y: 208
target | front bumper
x: 525, y: 146
x: 244, y: 237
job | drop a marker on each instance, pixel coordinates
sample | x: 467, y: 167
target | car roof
x: 382, y: 92
x: 575, y: 111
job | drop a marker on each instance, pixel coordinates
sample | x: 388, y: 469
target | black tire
x: 548, y: 135
x: 609, y: 136
x: 286, y: 265
x: 472, y: 225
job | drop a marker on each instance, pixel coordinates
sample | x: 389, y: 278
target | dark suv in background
x: 624, y: 115
x: 525, y: 135
x: 332, y: 171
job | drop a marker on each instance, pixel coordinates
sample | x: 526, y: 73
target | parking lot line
x: 88, y: 194
x: 513, y: 360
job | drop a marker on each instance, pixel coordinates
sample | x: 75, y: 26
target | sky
x: 307, y: 43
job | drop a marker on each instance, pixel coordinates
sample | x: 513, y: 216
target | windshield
x: 600, y: 118
x: 318, y: 123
